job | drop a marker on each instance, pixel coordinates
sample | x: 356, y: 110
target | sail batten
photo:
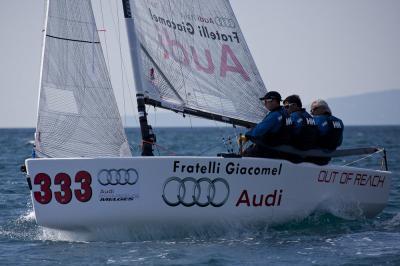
x: 78, y: 114
x: 72, y: 40
x: 194, y: 57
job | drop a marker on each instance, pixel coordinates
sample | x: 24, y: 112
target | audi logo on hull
x: 197, y: 194
x: 113, y: 177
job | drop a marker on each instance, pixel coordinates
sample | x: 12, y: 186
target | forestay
x: 195, y: 57
x: 78, y: 115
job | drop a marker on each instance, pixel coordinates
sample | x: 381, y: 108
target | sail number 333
x: 64, y: 194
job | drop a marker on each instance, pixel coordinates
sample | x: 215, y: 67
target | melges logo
x: 120, y: 185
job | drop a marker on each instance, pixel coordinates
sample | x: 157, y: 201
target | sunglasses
x: 313, y: 109
x: 287, y: 106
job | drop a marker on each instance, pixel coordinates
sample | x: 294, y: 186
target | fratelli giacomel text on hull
x: 229, y: 168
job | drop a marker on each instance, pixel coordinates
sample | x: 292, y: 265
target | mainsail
x: 78, y: 114
x: 195, y: 59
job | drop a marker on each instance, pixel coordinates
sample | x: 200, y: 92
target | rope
x: 210, y: 148
x: 159, y: 146
x: 368, y: 156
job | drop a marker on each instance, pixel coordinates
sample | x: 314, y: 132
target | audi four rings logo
x: 210, y: 193
x: 115, y: 177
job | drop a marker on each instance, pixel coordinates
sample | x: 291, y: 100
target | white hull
x: 270, y: 191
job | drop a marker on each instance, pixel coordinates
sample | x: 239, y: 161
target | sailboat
x: 190, y: 57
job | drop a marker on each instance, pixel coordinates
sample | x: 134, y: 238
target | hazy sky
x: 315, y: 48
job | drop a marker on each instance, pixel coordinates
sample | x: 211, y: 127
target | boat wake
x: 212, y: 232
x: 28, y: 217
x: 314, y: 224
x: 156, y: 233
x: 342, y: 209
x: 318, y: 223
x: 30, y: 142
x: 393, y: 223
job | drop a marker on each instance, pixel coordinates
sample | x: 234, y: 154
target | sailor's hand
x: 242, y: 140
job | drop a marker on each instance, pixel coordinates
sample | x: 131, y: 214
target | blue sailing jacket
x: 270, y: 131
x: 303, y: 130
x: 330, y: 131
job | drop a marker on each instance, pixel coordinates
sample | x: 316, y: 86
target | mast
x: 148, y: 137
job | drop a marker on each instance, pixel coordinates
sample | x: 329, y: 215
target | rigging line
x: 135, y: 147
x: 235, y: 130
x: 155, y: 117
x: 161, y: 147
x: 160, y: 72
x: 366, y: 157
x: 190, y: 121
x: 122, y: 69
x: 209, y: 148
x: 105, y: 36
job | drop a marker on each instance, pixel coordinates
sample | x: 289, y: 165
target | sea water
x: 320, y: 239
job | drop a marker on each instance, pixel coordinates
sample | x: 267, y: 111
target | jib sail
x: 78, y: 114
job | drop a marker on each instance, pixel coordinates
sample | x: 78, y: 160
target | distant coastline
x: 375, y: 108
x: 368, y: 109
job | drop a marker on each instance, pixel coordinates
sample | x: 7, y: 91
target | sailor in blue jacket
x: 330, y: 127
x: 270, y: 131
x: 303, y: 131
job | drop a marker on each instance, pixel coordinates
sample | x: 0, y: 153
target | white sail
x: 78, y: 114
x: 194, y: 56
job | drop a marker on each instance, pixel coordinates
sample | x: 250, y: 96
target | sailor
x: 303, y: 130
x: 330, y: 128
x: 270, y: 132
